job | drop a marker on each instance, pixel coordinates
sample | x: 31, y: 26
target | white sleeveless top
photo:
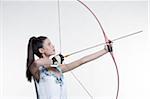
x: 50, y: 86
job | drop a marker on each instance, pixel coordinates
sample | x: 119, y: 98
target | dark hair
x: 33, y: 48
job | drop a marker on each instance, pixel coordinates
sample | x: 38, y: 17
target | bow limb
x: 111, y: 53
x: 106, y: 41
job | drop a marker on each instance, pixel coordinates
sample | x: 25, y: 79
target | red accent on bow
x: 106, y: 41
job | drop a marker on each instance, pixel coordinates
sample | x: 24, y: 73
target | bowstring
x: 59, y: 26
x: 60, y: 46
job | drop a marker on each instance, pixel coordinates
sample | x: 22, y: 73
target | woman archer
x: 48, y: 73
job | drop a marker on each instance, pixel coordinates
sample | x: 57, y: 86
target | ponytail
x: 33, y: 48
x: 30, y: 58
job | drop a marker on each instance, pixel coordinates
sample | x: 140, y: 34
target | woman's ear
x: 41, y: 50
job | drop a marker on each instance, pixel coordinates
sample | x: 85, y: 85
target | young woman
x: 48, y: 77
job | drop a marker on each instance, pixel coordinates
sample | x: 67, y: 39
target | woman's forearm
x: 83, y: 60
x: 93, y: 56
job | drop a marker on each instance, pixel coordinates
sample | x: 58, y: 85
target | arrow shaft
x: 125, y: 36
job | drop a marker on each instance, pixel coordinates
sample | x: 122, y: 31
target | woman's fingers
x: 58, y: 59
x: 108, y: 46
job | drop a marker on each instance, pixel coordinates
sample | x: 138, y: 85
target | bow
x: 106, y: 42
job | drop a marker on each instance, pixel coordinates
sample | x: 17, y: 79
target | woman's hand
x: 108, y: 46
x: 58, y: 59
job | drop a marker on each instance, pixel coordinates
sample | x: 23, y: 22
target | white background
x: 22, y: 19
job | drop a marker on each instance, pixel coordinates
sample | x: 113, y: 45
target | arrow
x: 125, y: 36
